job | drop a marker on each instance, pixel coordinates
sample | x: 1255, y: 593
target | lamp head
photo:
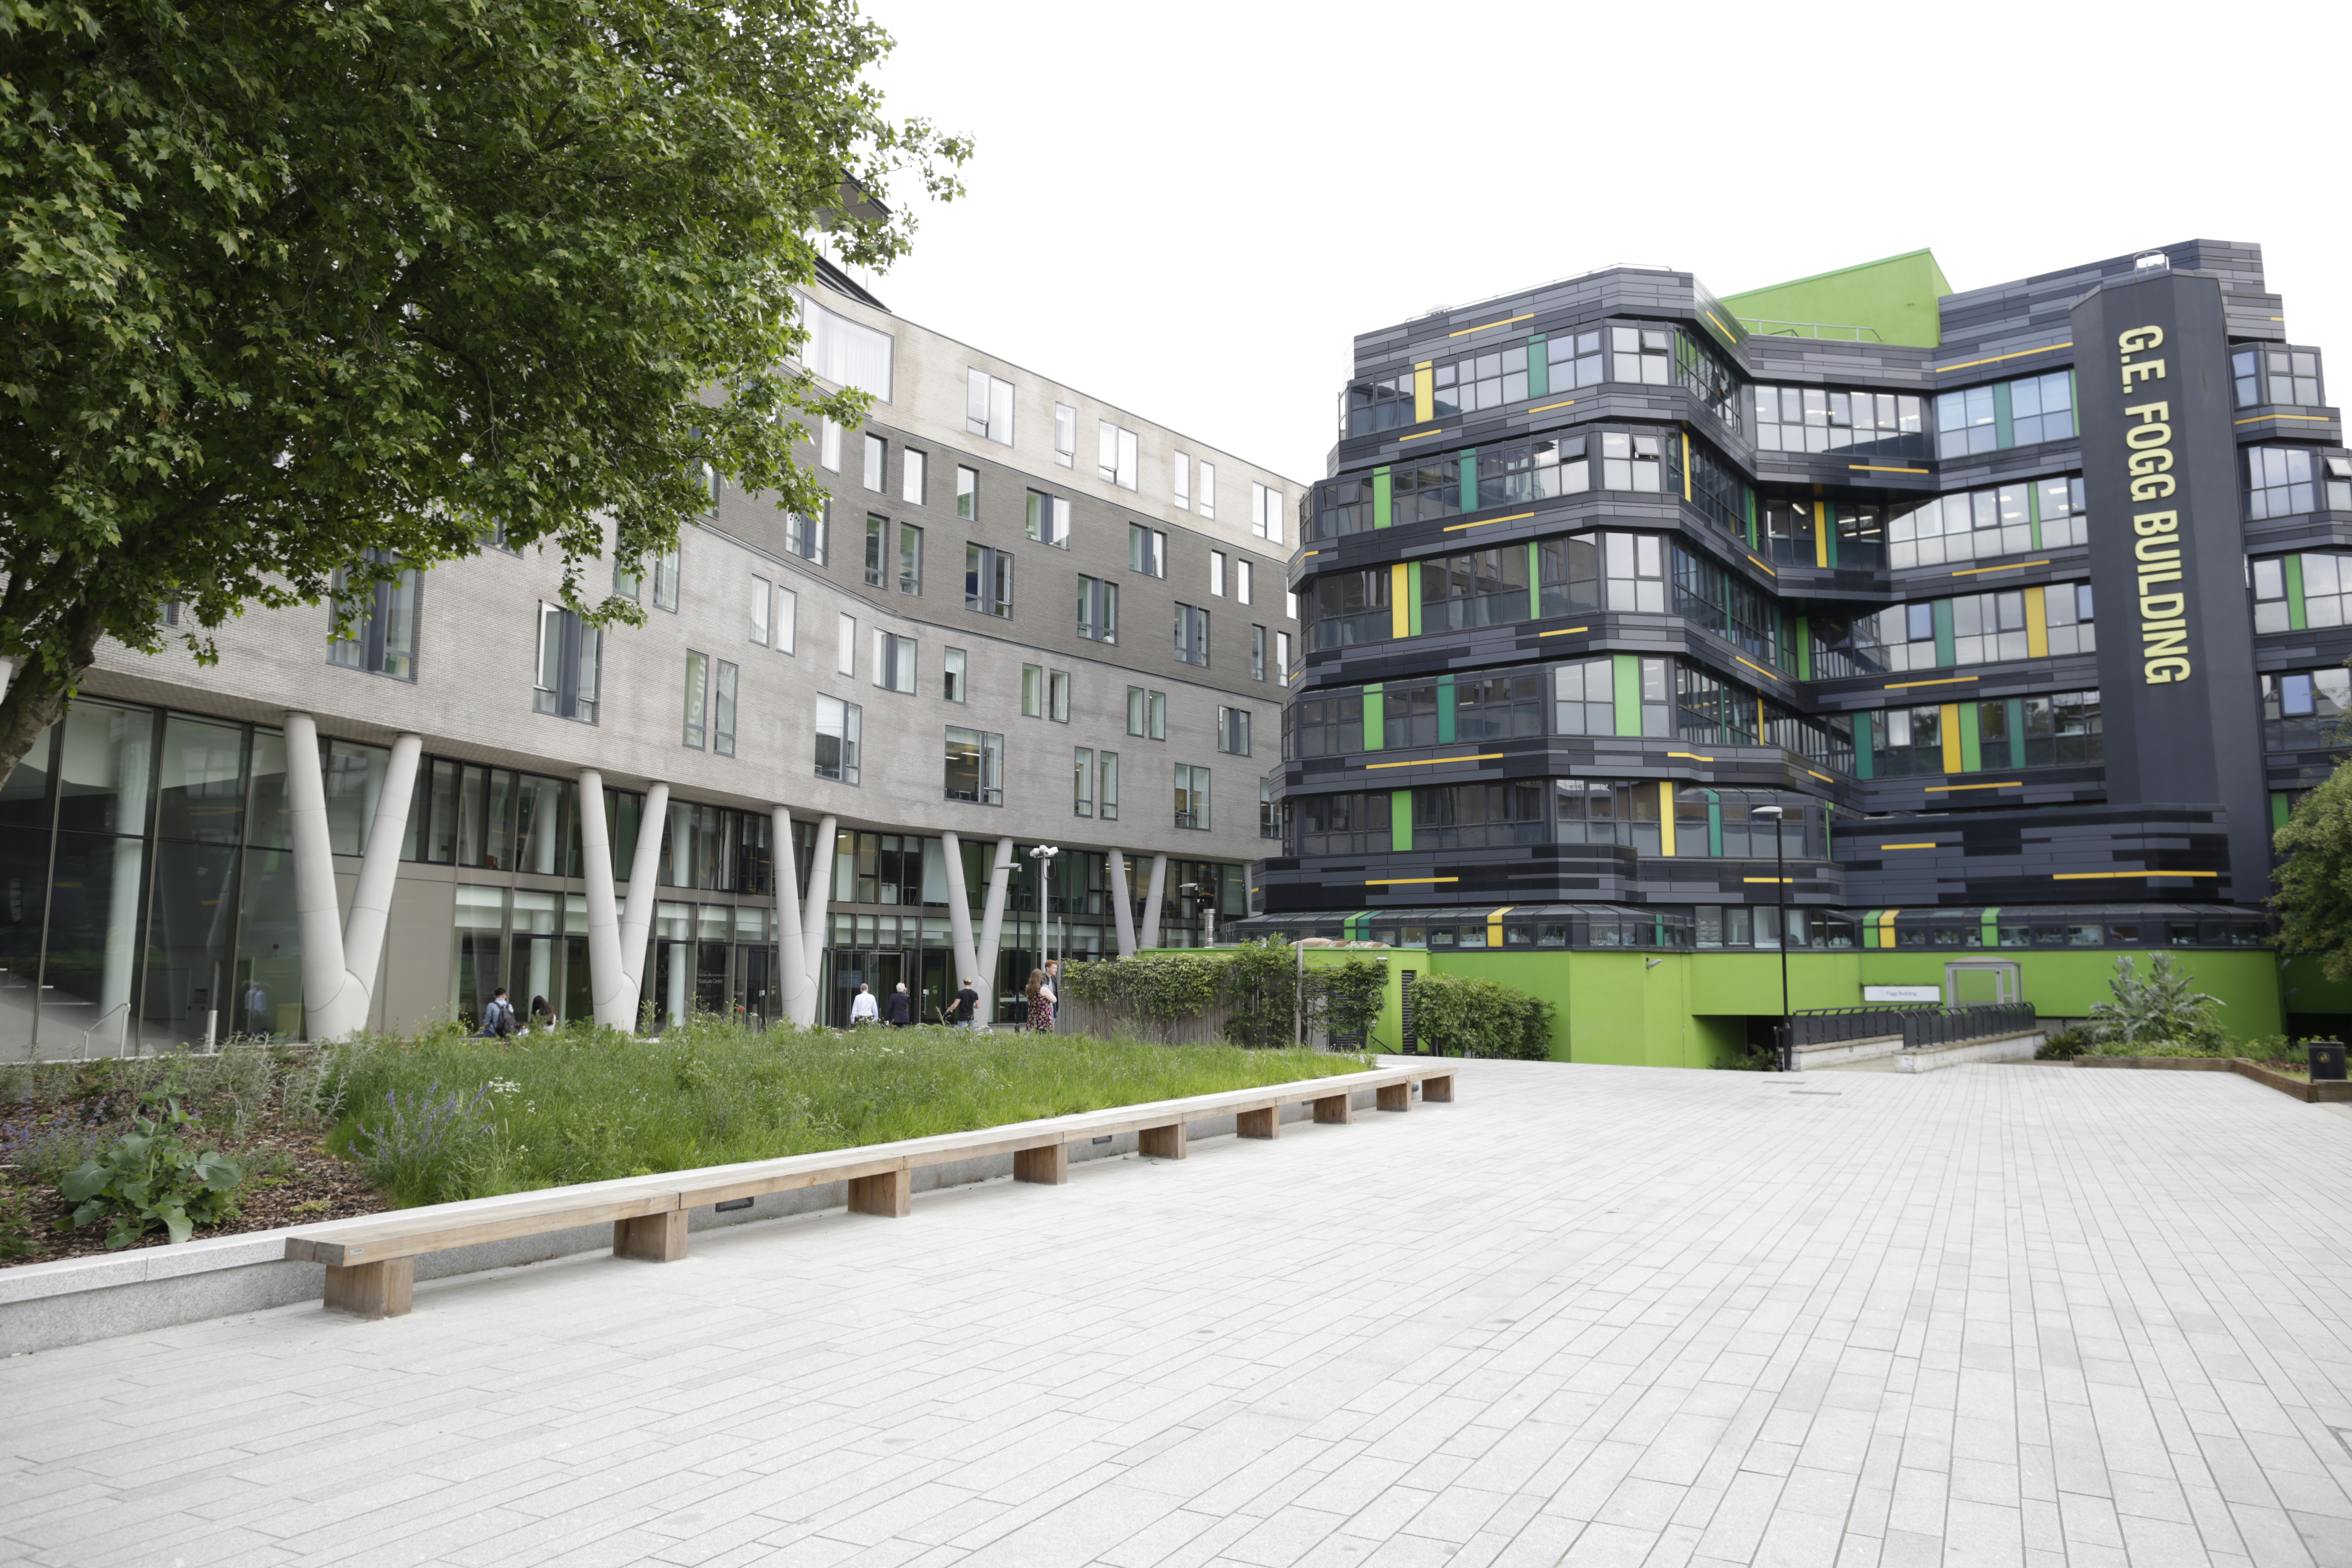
x: 1771, y: 811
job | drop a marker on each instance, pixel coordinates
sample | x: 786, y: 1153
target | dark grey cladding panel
x: 1807, y: 362
x: 2047, y: 855
x: 1618, y: 291
x: 2006, y: 315
x: 2303, y: 650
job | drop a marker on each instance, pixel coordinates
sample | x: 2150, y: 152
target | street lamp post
x: 1043, y: 854
x: 1779, y: 912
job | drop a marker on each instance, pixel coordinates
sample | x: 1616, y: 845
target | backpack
x: 506, y: 1026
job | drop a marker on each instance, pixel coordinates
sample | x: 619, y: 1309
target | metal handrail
x: 1920, y: 1023
x: 1764, y: 327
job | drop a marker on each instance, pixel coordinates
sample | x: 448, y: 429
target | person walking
x: 499, y: 1018
x: 1041, y: 1003
x: 1054, y: 990
x: 902, y: 1007
x: 862, y: 1009
x: 964, y: 1011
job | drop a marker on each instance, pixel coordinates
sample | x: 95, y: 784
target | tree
x: 2313, y: 895
x: 294, y: 287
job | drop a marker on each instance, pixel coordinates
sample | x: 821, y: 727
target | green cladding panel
x: 1947, y: 650
x: 1895, y: 298
x: 1383, y: 498
x: 1538, y: 368
x: 1444, y: 710
x: 2295, y: 611
x: 1627, y: 671
x: 1400, y: 819
x: 1375, y: 713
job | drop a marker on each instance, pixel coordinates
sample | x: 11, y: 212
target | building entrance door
x: 932, y: 995
x: 1979, y: 983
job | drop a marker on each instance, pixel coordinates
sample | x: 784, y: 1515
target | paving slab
x: 1999, y: 1314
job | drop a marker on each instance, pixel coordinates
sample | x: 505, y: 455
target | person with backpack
x: 902, y: 1008
x: 499, y: 1018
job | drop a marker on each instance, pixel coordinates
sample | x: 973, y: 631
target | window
x: 722, y: 710
x: 1641, y: 354
x: 1184, y: 482
x: 1269, y: 814
x: 2326, y: 582
x: 1266, y: 512
x: 1282, y: 657
x: 2007, y: 414
x: 1497, y: 707
x: 1584, y: 698
x: 1033, y: 691
x: 1049, y: 519
x: 894, y: 662
x: 570, y: 654
x: 910, y: 559
x: 1146, y: 713
x: 1482, y: 381
x: 1349, y: 608
x: 1192, y: 635
x: 1208, y: 496
x: 788, y: 608
x: 2279, y: 482
x: 1818, y: 419
x: 1594, y: 811
x: 1114, y: 455
x: 1369, y: 407
x: 626, y: 582
x: 1986, y: 627
x: 1478, y: 817
x: 967, y: 493
x: 1057, y: 696
x: 988, y: 407
x: 1217, y: 573
x: 2269, y: 580
x: 1630, y: 462
x: 988, y: 580
x: 804, y: 536
x: 665, y: 575
x: 1066, y: 435
x: 2304, y: 710
x: 1327, y: 726
x: 877, y: 463
x: 1478, y: 588
x: 1907, y: 741
x: 1106, y: 771
x: 837, y: 725
x: 2294, y: 375
x: 952, y: 676
x: 912, y: 477
x: 1082, y: 781
x: 760, y: 591
x: 2246, y: 377
x: 2059, y: 512
x: 845, y: 351
x: 878, y: 547
x: 1258, y: 653
x: 1147, y: 551
x: 1191, y: 797
x: 844, y: 648
x: 1614, y: 570
x: 1574, y: 359
x: 2061, y: 730
x: 1243, y: 574
x: 828, y: 446
x: 1971, y: 525
x: 1352, y: 823
x: 698, y: 697
x: 975, y: 766
x: 1098, y: 609
x: 2066, y: 610
x: 374, y: 626
x: 1233, y: 731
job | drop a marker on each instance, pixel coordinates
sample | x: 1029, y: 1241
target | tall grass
x: 585, y: 1105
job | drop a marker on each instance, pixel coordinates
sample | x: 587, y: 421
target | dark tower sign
x: 2168, y: 563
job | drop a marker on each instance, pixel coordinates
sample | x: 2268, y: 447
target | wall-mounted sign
x: 1903, y: 993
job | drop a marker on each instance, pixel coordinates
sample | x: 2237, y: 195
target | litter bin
x: 2326, y: 1061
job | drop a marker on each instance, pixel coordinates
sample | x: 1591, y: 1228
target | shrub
x: 422, y: 1143
x: 1476, y: 1018
x: 1259, y: 981
x: 2160, y: 1010
x: 19, y: 1236
x: 1344, y: 1000
x: 150, y: 1177
x: 1154, y: 990
x: 2065, y: 1045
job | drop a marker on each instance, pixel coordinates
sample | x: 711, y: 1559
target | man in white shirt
x: 862, y: 1009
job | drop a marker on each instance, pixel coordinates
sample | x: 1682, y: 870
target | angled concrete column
x: 340, y: 961
x: 1151, y: 901
x: 813, y: 921
x: 604, y: 918
x: 992, y: 927
x: 795, y: 987
x: 966, y: 956
x: 619, y: 1003
x: 1122, y: 905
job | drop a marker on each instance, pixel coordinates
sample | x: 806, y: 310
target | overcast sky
x: 1189, y: 210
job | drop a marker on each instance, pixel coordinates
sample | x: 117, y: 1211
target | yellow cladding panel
x: 1952, y: 738
x: 1686, y: 469
x: 1400, y: 612
x: 1424, y: 393
x: 2037, y: 625
x: 1495, y: 925
x: 1820, y: 534
x: 1667, y: 816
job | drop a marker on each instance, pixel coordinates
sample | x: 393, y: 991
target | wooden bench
x: 372, y: 1263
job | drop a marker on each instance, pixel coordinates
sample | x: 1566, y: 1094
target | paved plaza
x: 1601, y: 1315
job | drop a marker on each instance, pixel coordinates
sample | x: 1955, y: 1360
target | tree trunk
x: 36, y: 695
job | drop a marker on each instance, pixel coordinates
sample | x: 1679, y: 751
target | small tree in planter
x: 1481, y: 1018
x: 1344, y: 1000
x: 2159, y: 1014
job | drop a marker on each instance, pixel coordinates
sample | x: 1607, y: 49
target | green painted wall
x: 2303, y: 989
x: 1896, y: 297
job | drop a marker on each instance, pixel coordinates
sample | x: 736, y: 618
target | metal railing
x: 1920, y: 1023
x: 1826, y: 331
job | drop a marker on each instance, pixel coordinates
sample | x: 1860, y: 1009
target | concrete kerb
x: 75, y: 1301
